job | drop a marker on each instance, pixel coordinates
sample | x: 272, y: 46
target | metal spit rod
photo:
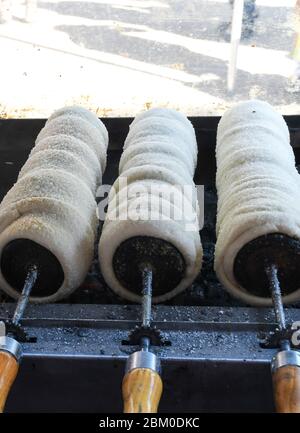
x: 272, y: 273
x: 24, y: 298
x: 147, y: 276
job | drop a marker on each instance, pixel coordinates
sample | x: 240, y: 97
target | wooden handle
x: 286, y: 384
x: 142, y: 389
x: 8, y: 372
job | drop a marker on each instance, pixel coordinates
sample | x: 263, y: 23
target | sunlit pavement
x: 118, y: 57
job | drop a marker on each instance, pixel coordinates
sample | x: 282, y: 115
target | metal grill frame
x: 215, y: 362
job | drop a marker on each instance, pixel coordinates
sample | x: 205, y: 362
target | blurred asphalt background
x: 118, y: 57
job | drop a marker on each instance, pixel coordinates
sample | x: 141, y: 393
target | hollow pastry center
x: 17, y: 258
x: 167, y: 263
x: 278, y: 249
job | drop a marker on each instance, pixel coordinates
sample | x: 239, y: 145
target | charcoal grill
x: 215, y: 361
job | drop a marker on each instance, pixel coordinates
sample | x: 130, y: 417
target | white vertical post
x: 31, y: 7
x: 236, y: 31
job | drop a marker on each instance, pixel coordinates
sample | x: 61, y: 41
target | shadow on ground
x: 195, y: 19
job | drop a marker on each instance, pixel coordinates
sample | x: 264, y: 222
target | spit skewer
x: 142, y: 384
x: 268, y: 265
x: 10, y: 348
x: 286, y: 363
